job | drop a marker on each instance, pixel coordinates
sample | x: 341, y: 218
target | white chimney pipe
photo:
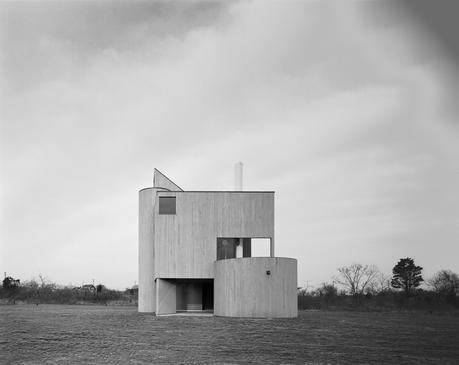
x: 238, y: 176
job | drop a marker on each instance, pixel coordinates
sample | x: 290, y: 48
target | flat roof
x: 213, y: 191
x: 206, y: 191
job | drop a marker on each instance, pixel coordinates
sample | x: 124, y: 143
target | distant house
x: 88, y: 288
x: 197, y: 253
x: 10, y: 283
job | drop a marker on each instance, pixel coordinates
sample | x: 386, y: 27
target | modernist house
x: 195, y: 253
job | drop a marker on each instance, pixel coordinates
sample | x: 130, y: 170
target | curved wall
x: 147, y: 290
x: 146, y: 254
x: 242, y: 287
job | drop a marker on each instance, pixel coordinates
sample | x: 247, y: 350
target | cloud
x: 337, y: 115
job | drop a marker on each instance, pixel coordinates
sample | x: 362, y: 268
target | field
x: 59, y: 334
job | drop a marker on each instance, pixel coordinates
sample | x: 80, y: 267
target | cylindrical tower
x: 147, y: 288
x: 146, y: 250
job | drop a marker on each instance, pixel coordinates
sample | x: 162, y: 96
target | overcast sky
x: 347, y: 110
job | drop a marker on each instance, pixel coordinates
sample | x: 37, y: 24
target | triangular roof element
x: 162, y: 181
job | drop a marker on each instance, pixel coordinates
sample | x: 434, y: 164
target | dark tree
x: 10, y: 283
x: 406, y: 275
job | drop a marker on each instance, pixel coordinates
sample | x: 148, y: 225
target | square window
x: 226, y: 248
x: 167, y: 205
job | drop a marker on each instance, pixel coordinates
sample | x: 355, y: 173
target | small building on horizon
x: 201, y: 251
x: 88, y: 288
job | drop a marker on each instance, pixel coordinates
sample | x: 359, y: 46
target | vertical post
x: 238, y: 176
x: 240, y: 248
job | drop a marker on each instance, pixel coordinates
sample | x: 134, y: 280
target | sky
x: 347, y: 110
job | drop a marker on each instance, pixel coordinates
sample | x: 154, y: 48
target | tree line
x: 365, y: 286
x: 45, y: 291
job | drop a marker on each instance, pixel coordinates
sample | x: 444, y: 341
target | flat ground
x: 105, y: 335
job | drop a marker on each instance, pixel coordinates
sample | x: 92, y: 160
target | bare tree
x: 45, y: 283
x: 382, y: 282
x: 356, y: 278
x: 445, y: 281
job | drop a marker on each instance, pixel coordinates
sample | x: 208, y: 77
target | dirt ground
x: 63, y: 334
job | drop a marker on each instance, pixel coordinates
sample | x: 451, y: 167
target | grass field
x: 59, y: 334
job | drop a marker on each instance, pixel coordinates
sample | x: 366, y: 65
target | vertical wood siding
x: 244, y: 289
x: 146, y: 250
x: 186, y: 243
x: 166, y: 296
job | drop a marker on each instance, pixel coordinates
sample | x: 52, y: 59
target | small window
x: 167, y: 205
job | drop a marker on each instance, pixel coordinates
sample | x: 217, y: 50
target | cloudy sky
x: 348, y: 110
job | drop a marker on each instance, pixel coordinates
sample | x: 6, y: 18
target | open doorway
x: 195, y: 295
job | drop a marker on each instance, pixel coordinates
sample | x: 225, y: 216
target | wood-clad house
x: 196, y: 253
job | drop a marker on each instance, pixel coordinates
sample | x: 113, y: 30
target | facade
x: 195, y: 253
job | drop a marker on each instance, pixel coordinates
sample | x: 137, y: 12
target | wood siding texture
x: 186, y: 243
x: 166, y: 297
x: 146, y: 250
x: 243, y: 288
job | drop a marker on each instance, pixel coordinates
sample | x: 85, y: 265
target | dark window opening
x: 208, y: 296
x: 226, y: 248
x: 230, y: 248
x: 247, y: 247
x: 167, y: 205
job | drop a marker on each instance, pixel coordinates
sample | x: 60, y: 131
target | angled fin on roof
x: 162, y: 181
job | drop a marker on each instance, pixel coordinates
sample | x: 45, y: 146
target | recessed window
x: 226, y: 248
x: 231, y: 248
x: 167, y: 205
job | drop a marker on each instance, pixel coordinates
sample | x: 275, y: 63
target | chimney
x: 238, y: 176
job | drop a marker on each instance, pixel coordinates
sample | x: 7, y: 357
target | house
x: 197, y: 248
x: 88, y: 288
x: 10, y: 283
